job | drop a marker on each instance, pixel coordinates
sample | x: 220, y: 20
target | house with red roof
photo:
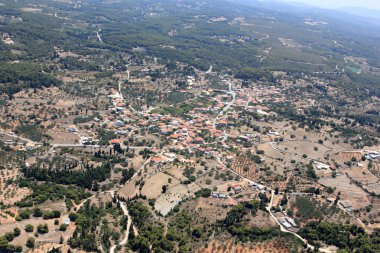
x: 115, y: 141
x: 156, y: 160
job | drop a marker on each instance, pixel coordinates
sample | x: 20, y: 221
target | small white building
x: 321, y: 166
x: 30, y: 146
x: 291, y: 221
x: 273, y: 133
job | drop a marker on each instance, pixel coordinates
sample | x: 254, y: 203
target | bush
x: 62, y: 227
x: 29, y: 228
x: 42, y: 228
x: 6, y: 247
x: 37, y: 212
x: 73, y: 216
x: 151, y: 202
x: 349, y: 238
x: 51, y: 215
x: 204, y: 193
x: 16, y: 232
x: 30, y: 242
x: 310, y: 172
x: 115, y: 235
x: 50, y: 191
x: 24, y: 214
x: 9, y: 236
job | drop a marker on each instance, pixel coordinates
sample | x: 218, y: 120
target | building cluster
x: 288, y: 223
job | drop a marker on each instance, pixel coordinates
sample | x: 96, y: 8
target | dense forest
x: 16, y: 76
x: 348, y: 238
x: 198, y: 41
x: 87, y: 177
x: 87, y: 220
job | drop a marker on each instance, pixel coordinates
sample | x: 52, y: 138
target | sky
x: 369, y: 4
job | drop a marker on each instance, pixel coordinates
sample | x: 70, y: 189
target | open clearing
x: 312, y: 150
x: 153, y: 186
x: 34, y: 10
x: 219, y: 246
x: 349, y: 191
x: 166, y: 202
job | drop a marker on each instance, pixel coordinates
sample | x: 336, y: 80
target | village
x: 188, y: 126
x: 213, y: 132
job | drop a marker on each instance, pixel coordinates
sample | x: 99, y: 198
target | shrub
x: 9, y: 236
x: 43, y: 228
x: 16, y: 232
x: 30, y: 242
x: 37, y: 212
x: 62, y: 227
x: 29, y: 228
x: 24, y: 214
x: 205, y: 193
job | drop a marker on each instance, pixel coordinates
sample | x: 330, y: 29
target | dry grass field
x: 362, y: 175
x: 45, y: 247
x: 312, y: 150
x: 348, y: 155
x: 53, y: 236
x: 210, y: 210
x: 166, y: 202
x: 262, y: 219
x: 9, y: 191
x: 153, y: 185
x: 349, y: 191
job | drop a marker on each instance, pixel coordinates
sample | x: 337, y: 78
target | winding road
x: 129, y: 223
x: 226, y: 108
x: 13, y: 135
x: 125, y: 209
x: 98, y: 35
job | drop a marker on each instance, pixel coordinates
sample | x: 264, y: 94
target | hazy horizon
x: 335, y: 4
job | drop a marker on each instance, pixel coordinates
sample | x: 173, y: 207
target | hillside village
x: 225, y: 138
x: 141, y: 126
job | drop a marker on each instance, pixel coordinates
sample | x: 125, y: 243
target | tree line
x: 88, y: 177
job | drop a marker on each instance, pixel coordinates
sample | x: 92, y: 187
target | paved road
x: 226, y: 108
x: 13, y: 135
x: 98, y: 35
x: 62, y: 145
